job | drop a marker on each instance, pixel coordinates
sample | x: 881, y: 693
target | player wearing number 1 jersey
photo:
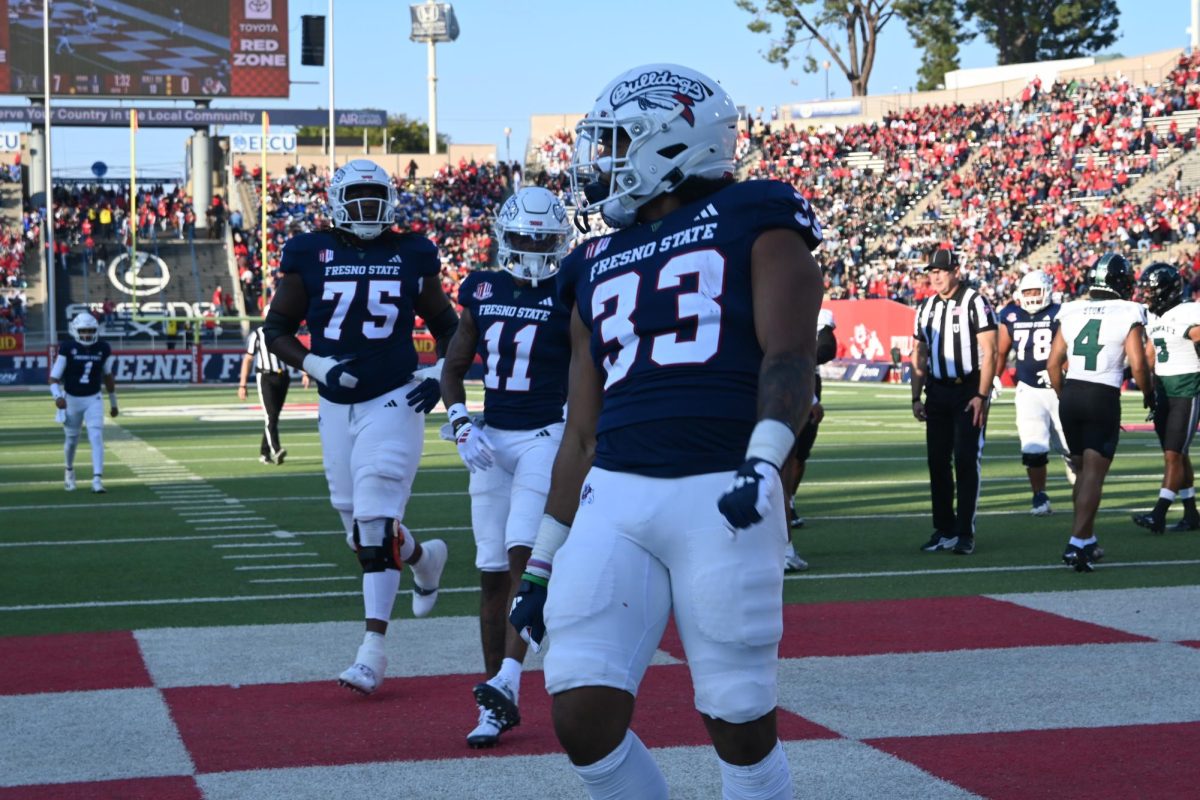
x: 1095, y: 339
x: 513, y: 320
x: 359, y: 286
x: 83, y: 364
x: 693, y: 336
x: 1027, y: 326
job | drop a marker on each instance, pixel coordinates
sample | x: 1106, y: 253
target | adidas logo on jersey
x: 391, y: 404
x: 547, y: 301
x: 395, y: 259
x: 706, y: 213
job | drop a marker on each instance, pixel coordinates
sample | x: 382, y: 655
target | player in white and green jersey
x: 1173, y: 332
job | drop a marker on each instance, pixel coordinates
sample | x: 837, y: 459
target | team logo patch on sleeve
x: 483, y: 291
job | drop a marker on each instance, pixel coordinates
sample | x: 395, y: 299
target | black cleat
x: 1150, y: 522
x: 499, y: 701
x: 796, y: 522
x: 1185, y: 525
x: 964, y: 546
x: 939, y: 541
x: 1082, y: 559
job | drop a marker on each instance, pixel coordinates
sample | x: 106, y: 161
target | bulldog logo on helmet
x: 661, y: 89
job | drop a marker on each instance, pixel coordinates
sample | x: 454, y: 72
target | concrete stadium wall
x: 396, y: 163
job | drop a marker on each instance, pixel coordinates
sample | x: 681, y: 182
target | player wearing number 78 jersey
x: 1027, y: 327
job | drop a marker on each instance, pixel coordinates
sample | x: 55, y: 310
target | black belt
x: 272, y: 372
x: 965, y: 380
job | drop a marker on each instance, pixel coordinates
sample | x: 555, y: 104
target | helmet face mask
x: 532, y: 234
x: 362, y: 199
x: 1160, y: 288
x: 651, y: 129
x: 84, y: 328
x: 1034, y: 292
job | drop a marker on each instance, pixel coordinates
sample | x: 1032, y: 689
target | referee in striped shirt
x: 272, y: 378
x: 953, y: 362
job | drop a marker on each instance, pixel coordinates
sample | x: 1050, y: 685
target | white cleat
x: 427, y: 574
x: 69, y: 480
x: 487, y: 732
x: 98, y: 485
x: 793, y: 562
x: 365, y: 675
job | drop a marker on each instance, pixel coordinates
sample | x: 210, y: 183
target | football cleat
x: 487, y: 732
x: 964, y: 546
x: 796, y: 522
x: 498, y: 697
x: 278, y: 458
x: 427, y: 573
x: 1082, y: 559
x: 264, y: 460
x: 98, y: 485
x: 793, y: 562
x: 939, y: 542
x: 1150, y: 522
x: 69, y: 480
x: 1041, y: 505
x: 1184, y: 525
x: 365, y: 675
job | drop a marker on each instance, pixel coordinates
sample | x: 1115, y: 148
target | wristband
x: 771, y: 441
x: 982, y: 397
x: 550, y: 536
x: 458, y: 416
x: 56, y: 391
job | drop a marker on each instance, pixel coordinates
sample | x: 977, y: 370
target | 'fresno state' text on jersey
x: 1032, y: 335
x: 361, y: 295
x: 525, y: 345
x: 85, y: 367
x: 668, y: 304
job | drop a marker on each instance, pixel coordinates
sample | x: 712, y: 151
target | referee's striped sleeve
x: 985, y: 317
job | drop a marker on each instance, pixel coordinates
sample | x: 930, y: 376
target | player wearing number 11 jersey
x: 693, y: 355
x: 359, y: 286
x: 1027, y: 326
x: 1095, y: 339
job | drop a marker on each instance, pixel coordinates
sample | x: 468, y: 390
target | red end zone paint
x: 71, y: 662
x: 132, y: 789
x: 322, y: 724
x: 1156, y: 761
x: 924, y: 625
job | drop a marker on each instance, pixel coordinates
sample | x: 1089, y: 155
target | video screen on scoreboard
x: 147, y: 48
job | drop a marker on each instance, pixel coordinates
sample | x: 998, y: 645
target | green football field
x: 195, y: 531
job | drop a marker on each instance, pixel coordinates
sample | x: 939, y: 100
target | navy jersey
x: 668, y: 304
x: 84, y: 372
x: 1032, y: 335
x: 361, y: 296
x: 524, y: 341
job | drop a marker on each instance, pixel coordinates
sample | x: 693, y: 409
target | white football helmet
x: 1035, y: 281
x: 362, y: 199
x: 84, y: 328
x: 532, y: 234
x: 651, y: 128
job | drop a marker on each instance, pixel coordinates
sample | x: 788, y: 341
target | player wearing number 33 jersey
x: 359, y: 286
x: 1027, y: 329
x: 693, y: 337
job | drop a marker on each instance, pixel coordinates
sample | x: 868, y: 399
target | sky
x: 515, y: 58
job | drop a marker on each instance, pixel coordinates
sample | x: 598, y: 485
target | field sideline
x: 187, y: 625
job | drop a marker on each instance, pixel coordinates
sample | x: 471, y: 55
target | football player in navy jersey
x: 513, y: 320
x: 358, y: 286
x: 82, y: 365
x: 693, y: 356
x: 1028, y: 324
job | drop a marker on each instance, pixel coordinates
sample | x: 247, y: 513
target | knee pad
x: 378, y: 547
x: 1035, y: 459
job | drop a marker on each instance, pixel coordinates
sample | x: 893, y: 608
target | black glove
x: 427, y: 395
x: 1149, y: 401
x: 527, y: 610
x: 747, y: 499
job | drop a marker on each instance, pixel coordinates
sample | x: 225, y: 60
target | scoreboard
x: 147, y: 48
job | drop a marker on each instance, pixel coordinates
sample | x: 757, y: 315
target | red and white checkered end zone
x: 1089, y: 694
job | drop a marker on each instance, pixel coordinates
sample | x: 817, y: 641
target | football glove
x: 527, y: 611
x: 997, y: 386
x: 473, y: 447
x: 426, y: 395
x: 1149, y: 403
x: 329, y: 371
x: 748, y: 497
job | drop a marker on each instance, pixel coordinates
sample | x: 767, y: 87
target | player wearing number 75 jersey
x: 693, y: 356
x: 1027, y: 327
x: 1095, y: 339
x: 513, y: 320
x: 358, y: 286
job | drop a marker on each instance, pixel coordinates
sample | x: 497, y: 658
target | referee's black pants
x: 272, y: 392
x: 950, y: 436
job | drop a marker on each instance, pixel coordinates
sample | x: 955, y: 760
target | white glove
x: 474, y: 448
x: 996, y: 387
x: 60, y: 416
x: 320, y: 367
x: 433, y: 371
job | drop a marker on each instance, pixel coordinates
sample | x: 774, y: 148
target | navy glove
x: 527, y: 610
x: 747, y: 499
x: 427, y: 395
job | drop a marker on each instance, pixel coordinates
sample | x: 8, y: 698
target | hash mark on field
x: 263, y: 544
x: 306, y: 580
x: 287, y: 566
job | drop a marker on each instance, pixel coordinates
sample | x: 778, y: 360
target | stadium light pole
x: 507, y: 142
x: 51, y: 302
x: 332, y: 117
